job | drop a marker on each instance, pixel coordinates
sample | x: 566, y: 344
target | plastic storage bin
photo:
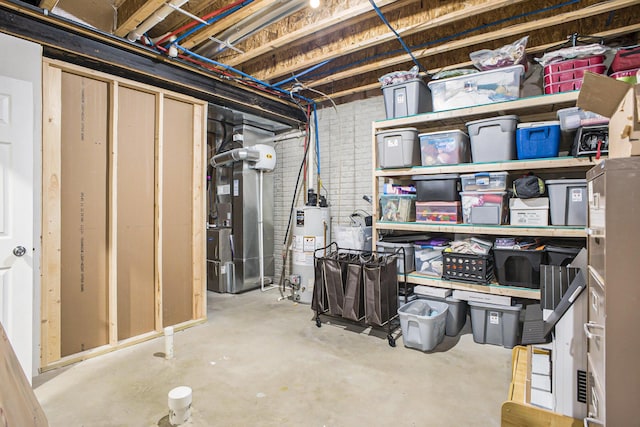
x: 438, y: 212
x: 567, y: 201
x: 484, y: 181
x: 561, y: 255
x: 406, y: 98
x: 493, y: 139
x: 567, y: 75
x: 529, y: 212
x: 398, y: 148
x: 467, y: 267
x: 456, y: 313
x: 444, y: 148
x: 495, y: 324
x: 391, y: 247
x: 501, y: 84
x: 519, y: 267
x: 629, y: 76
x: 484, y: 207
x: 398, y: 207
x: 423, y: 323
x: 428, y: 257
x: 538, y: 140
x: 442, y: 187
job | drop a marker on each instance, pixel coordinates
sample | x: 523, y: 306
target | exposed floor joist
x: 479, y: 39
x: 212, y: 30
x: 48, y: 4
x: 355, y: 45
x: 132, y: 12
x: 351, y: 14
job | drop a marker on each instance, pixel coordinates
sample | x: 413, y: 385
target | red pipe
x: 194, y: 22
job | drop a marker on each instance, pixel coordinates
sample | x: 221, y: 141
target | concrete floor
x: 258, y: 361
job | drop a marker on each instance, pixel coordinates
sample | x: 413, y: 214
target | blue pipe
x: 302, y: 73
x: 212, y: 20
x: 404, y: 45
x: 315, y: 123
x: 446, y: 38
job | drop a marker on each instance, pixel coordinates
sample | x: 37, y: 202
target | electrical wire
x: 402, y: 43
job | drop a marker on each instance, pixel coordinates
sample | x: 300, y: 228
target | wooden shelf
x: 502, y: 230
x: 493, y: 288
x: 537, y: 105
x: 548, y: 165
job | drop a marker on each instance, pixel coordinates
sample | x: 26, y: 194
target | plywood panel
x: 177, y: 203
x: 84, y: 293
x: 135, y: 245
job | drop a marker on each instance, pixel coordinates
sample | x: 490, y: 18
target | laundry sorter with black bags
x: 358, y: 286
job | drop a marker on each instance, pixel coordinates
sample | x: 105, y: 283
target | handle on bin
x: 544, y: 131
x: 589, y: 420
x: 587, y: 330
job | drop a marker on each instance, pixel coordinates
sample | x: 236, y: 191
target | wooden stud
x: 132, y: 12
x: 212, y: 30
x: 112, y: 269
x: 51, y: 215
x: 48, y: 4
x: 513, y: 30
x: 198, y: 221
x: 158, y: 210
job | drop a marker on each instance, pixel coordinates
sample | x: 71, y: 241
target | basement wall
x: 345, y: 161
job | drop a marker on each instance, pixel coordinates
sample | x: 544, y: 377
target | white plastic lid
x: 443, y: 132
x: 539, y: 124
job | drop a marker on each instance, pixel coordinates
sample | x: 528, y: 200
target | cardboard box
x: 620, y: 102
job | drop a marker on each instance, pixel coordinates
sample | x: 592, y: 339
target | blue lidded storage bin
x: 538, y: 140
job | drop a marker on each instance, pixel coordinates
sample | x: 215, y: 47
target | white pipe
x: 260, y: 232
x: 284, y: 136
x: 157, y: 17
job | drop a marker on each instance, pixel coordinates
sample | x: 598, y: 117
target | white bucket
x: 179, y: 405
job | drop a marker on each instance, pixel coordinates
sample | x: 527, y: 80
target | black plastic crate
x: 467, y: 267
x: 519, y: 267
x: 437, y: 188
x: 561, y: 255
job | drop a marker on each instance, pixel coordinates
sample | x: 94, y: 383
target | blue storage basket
x: 538, y: 140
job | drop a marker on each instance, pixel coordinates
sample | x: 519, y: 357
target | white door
x: 16, y: 216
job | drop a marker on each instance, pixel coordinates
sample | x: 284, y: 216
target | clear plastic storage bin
x: 438, y: 212
x: 428, y: 258
x: 484, y: 207
x: 484, y: 181
x: 398, y: 208
x: 444, y: 148
x: 501, y: 84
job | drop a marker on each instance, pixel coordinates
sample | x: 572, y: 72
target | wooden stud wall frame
x: 123, y: 213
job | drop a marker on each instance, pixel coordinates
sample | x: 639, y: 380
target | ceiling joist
x: 48, y: 4
x: 514, y: 30
x: 212, y: 30
x: 352, y: 46
x: 346, y: 17
x: 132, y: 12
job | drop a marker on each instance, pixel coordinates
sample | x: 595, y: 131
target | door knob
x: 19, y: 251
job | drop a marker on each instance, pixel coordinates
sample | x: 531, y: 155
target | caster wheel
x: 318, y: 324
x: 392, y: 341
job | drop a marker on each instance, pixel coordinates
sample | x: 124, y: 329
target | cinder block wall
x: 345, y: 166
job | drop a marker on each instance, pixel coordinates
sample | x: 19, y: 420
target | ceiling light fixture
x: 314, y: 3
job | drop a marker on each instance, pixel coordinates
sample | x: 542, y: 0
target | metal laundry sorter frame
x: 358, y: 286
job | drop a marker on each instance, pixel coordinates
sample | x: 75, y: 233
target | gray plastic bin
x: 407, y: 98
x: 456, y: 315
x: 493, y: 139
x: 398, y: 148
x: 423, y: 323
x: 495, y: 324
x: 390, y: 247
x: 567, y: 201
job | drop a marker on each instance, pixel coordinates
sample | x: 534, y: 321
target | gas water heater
x: 310, y: 232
